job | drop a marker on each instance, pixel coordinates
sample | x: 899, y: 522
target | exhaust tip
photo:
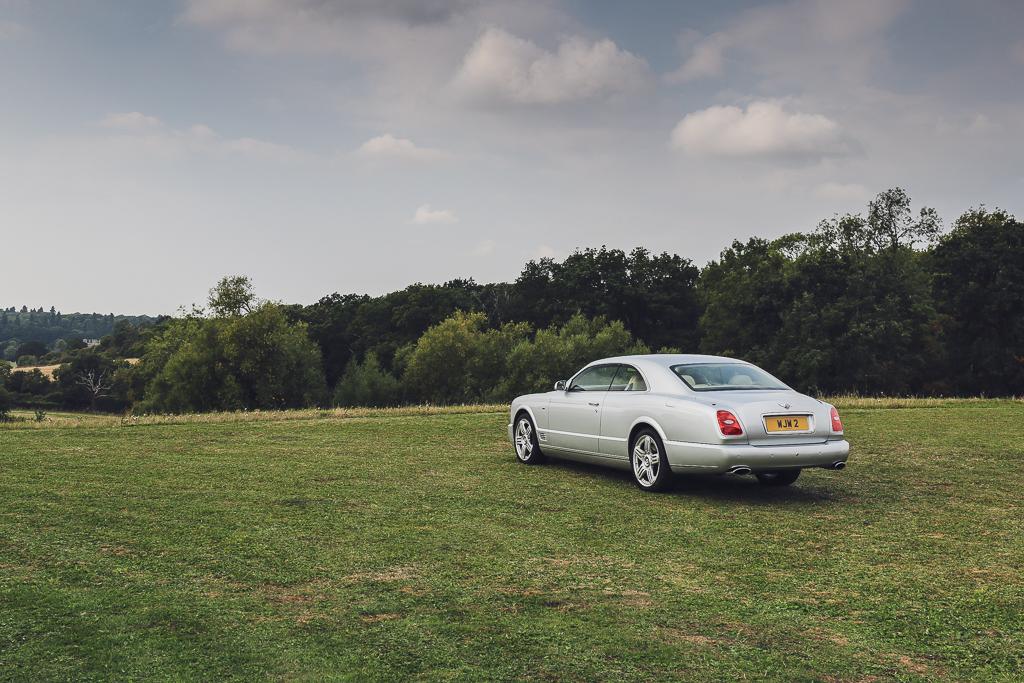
x: 739, y: 470
x: 840, y: 465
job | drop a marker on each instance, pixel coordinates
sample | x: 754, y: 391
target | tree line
x: 45, y: 330
x: 881, y: 302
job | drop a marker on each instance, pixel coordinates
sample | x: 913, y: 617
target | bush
x: 556, y: 353
x: 5, y: 405
x: 458, y: 361
x: 367, y: 384
x: 254, y: 361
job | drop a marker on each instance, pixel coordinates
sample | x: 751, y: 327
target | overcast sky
x: 147, y: 148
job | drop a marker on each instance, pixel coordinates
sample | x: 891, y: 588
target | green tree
x: 979, y: 289
x: 745, y: 295
x: 231, y: 296
x: 87, y: 381
x: 367, y: 384
x: 654, y: 296
x: 846, y: 308
x: 6, y: 403
x: 32, y: 348
x: 440, y: 365
x: 253, y: 360
x: 274, y: 364
x: 556, y: 352
x: 184, y: 370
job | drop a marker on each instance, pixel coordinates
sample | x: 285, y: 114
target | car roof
x: 668, y: 359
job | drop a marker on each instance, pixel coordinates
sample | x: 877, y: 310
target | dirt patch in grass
x: 669, y: 634
x: 401, y: 573
x: 378, y: 618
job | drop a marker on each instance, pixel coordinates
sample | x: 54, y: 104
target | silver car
x: 660, y: 414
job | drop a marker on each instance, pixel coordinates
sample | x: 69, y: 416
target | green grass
x: 412, y: 546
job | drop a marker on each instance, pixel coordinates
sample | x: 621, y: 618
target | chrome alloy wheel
x: 524, y: 439
x: 646, y: 460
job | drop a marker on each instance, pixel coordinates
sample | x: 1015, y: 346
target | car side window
x: 628, y: 378
x: 597, y: 378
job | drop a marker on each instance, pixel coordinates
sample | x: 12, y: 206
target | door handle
x: 592, y: 403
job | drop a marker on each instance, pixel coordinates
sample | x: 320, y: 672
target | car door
x: 574, y: 415
x: 622, y: 405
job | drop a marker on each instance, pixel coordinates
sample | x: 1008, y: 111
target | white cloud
x: 131, y: 120
x: 387, y: 146
x: 980, y: 124
x: 426, y: 215
x: 800, y: 42
x: 386, y: 29
x: 842, y: 191
x: 485, y: 248
x: 706, y: 57
x: 763, y: 129
x: 141, y: 133
x: 544, y: 251
x: 504, y: 67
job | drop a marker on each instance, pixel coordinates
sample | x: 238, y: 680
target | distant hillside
x: 19, y: 325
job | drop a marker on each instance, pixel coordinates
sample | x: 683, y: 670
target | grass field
x: 410, y: 544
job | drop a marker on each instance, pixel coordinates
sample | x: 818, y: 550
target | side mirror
x: 560, y: 385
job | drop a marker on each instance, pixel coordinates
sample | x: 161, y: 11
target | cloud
x: 132, y: 120
x: 706, y: 57
x: 425, y: 215
x: 799, y: 42
x: 311, y: 26
x: 842, y: 191
x: 763, y: 129
x: 138, y: 132
x: 544, y: 251
x: 485, y: 248
x: 387, y: 146
x: 980, y: 124
x: 505, y: 68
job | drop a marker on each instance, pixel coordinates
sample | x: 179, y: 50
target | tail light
x: 837, y: 424
x: 728, y: 424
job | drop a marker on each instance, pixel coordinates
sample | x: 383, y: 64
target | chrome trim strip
x: 606, y: 456
x: 555, y: 431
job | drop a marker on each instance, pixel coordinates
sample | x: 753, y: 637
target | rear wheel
x: 648, y: 462
x: 778, y: 477
x: 525, y: 436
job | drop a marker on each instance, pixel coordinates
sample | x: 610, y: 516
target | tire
x: 778, y: 477
x: 524, y: 438
x: 647, y: 461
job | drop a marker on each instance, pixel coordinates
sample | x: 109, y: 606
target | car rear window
x: 726, y: 377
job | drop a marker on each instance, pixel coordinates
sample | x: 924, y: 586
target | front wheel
x: 778, y: 477
x: 650, y: 467
x: 527, y: 447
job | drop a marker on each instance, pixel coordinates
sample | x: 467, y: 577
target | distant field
x: 46, y: 370
x: 409, y: 544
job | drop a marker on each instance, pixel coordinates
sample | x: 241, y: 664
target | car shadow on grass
x: 741, y: 489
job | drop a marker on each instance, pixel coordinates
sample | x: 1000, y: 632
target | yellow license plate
x: 787, y: 423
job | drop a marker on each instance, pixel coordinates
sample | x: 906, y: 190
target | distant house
x: 89, y: 343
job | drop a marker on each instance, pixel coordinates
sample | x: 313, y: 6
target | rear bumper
x: 715, y: 459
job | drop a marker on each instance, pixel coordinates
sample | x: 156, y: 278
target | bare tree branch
x: 97, y: 385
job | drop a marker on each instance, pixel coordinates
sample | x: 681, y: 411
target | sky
x: 149, y: 148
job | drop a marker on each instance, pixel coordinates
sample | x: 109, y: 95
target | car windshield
x: 726, y: 377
